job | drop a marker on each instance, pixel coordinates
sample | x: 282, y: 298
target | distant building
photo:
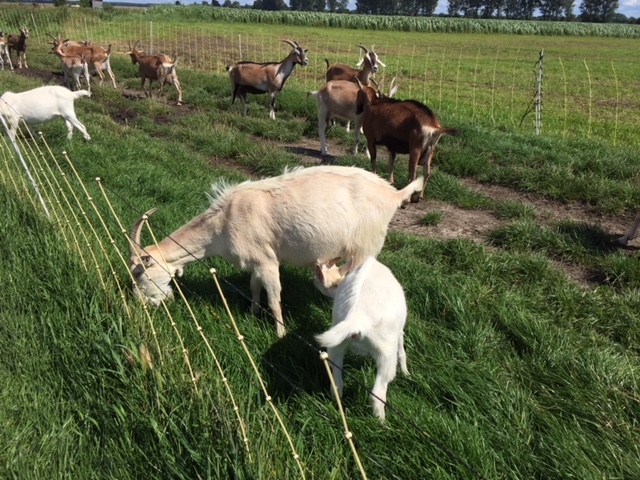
x: 96, y: 3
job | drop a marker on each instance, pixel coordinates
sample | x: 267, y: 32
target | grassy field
x: 516, y: 370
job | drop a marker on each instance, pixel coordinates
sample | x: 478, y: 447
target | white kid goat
x: 304, y: 217
x: 369, y: 313
x: 41, y: 105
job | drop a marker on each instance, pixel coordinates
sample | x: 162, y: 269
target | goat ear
x: 380, y: 63
x: 347, y: 267
x: 360, y: 62
x: 320, y: 274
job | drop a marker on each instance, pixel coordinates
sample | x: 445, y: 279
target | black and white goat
x: 403, y: 126
x: 257, y: 78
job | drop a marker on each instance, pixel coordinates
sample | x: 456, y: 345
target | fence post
x: 538, y: 100
x: 151, y: 51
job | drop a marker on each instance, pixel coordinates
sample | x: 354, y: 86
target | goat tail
x: 312, y: 94
x: 326, y: 60
x: 450, y: 131
x: 229, y: 68
x: 81, y: 93
x: 415, y: 186
x: 352, y: 327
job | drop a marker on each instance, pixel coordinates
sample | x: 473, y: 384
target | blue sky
x: 630, y: 8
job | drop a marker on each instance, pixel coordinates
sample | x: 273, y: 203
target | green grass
x: 516, y: 369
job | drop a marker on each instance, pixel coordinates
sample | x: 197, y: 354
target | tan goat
x: 341, y: 71
x: 156, y: 67
x: 95, y: 55
x: 337, y: 99
x: 258, y: 78
x: 304, y: 217
x: 73, y: 67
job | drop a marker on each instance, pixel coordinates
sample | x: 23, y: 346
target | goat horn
x: 364, y: 48
x: 134, y: 237
x: 290, y: 43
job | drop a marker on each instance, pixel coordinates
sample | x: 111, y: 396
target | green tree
x: 600, y: 11
x: 338, y: 6
x: 59, y: 3
x: 556, y: 9
x: 271, y: 5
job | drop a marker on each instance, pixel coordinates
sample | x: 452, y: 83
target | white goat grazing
x: 337, y: 99
x: 304, y: 218
x: 369, y: 313
x: 632, y: 231
x: 257, y: 78
x: 4, y: 52
x: 41, y: 105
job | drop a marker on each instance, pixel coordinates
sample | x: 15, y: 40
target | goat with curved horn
x: 258, y: 78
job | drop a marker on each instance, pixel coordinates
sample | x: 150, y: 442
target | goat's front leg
x: 392, y: 165
x: 272, y: 105
x: 371, y: 148
x: 336, y: 356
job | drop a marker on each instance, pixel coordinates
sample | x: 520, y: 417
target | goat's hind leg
x: 386, y: 372
x: 71, y: 122
x: 268, y: 276
x: 632, y: 231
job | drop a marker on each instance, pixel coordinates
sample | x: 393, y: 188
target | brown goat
x: 403, y: 126
x: 340, y: 71
x: 156, y: 67
x: 94, y: 54
x: 18, y: 42
x: 258, y: 78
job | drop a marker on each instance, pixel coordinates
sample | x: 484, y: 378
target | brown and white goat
x: 4, y: 52
x: 304, y: 218
x: 403, y: 126
x: 341, y: 71
x: 337, y: 99
x: 632, y: 231
x: 18, y: 42
x: 156, y: 67
x: 73, y: 67
x: 95, y: 55
x: 258, y: 78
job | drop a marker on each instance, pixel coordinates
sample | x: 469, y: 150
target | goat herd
x: 315, y: 217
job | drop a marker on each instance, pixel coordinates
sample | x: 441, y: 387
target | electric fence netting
x: 488, y: 86
x: 80, y: 204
